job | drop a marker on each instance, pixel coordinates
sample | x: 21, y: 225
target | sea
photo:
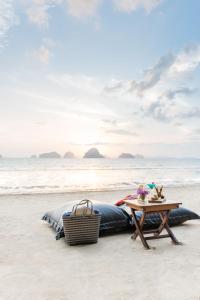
x: 30, y: 176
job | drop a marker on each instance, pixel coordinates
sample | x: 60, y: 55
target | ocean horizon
x: 32, y: 176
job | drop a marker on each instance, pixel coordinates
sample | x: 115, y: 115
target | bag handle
x: 87, y: 203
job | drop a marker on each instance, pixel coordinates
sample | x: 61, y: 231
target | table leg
x: 172, y: 236
x: 135, y: 234
x: 139, y: 230
x: 165, y: 217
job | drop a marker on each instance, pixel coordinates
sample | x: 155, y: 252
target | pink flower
x: 142, y: 191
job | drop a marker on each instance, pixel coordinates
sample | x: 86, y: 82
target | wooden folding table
x: 163, y: 209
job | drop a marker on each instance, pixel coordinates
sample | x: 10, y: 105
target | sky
x: 119, y: 75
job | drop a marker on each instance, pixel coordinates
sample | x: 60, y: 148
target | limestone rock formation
x: 126, y: 155
x: 69, y: 155
x: 93, y: 153
x: 50, y: 155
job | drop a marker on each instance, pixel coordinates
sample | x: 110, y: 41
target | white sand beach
x: 33, y: 265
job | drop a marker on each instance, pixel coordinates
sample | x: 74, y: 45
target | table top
x: 154, y: 207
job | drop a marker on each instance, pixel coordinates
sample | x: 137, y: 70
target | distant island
x: 129, y: 155
x: 126, y: 155
x: 93, y: 153
x: 1, y: 156
x: 50, y: 155
x: 139, y: 156
x: 69, y: 155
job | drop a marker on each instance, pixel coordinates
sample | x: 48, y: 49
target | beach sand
x: 33, y: 265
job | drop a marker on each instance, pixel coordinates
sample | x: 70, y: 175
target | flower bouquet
x: 142, y: 192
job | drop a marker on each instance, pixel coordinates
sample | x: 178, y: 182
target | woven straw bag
x: 82, y: 225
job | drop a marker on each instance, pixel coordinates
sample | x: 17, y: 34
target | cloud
x: 161, y: 94
x: 164, y: 92
x: 170, y: 102
x: 169, y: 67
x: 170, y: 94
x: 89, y: 144
x: 38, y: 15
x: 110, y: 122
x: 7, y: 19
x: 154, y: 75
x: 150, y: 78
x: 38, y: 11
x: 114, y: 87
x: 43, y: 54
x: 186, y: 61
x: 131, y: 5
x: 165, y: 109
x: 121, y: 132
x: 80, y: 8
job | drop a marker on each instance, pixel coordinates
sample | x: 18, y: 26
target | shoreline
x: 128, y: 190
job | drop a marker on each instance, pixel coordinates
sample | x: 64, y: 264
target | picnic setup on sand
x: 145, y: 214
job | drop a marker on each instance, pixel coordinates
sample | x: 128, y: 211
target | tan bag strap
x: 87, y: 203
